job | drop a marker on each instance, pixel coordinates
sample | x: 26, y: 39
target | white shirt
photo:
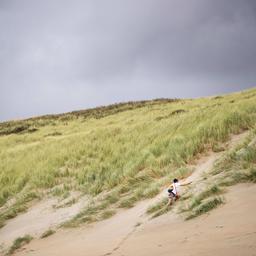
x: 176, y: 188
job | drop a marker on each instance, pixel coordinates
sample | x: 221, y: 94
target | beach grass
x: 124, y: 148
x: 18, y: 243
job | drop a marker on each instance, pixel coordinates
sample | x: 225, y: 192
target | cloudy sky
x: 60, y: 55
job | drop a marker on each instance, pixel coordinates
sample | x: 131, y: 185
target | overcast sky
x: 58, y: 56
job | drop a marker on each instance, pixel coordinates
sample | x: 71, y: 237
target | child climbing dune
x: 174, y: 190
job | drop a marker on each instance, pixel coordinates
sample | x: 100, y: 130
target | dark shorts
x: 171, y: 194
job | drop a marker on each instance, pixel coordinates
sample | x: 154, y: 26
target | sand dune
x: 228, y: 230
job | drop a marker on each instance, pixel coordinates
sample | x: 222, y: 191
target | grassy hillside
x: 128, y: 149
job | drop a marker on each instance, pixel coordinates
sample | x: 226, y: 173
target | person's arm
x: 186, y: 184
x: 170, y: 187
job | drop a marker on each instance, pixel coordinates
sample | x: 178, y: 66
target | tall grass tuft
x: 18, y: 243
x: 205, y: 207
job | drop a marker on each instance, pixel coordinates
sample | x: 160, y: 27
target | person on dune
x: 173, y: 190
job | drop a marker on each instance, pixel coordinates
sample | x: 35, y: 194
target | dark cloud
x: 58, y: 55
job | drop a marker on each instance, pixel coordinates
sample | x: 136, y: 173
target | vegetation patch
x: 178, y: 111
x: 15, y: 129
x: 54, y: 134
x: 19, y: 206
x: 208, y: 192
x: 18, y: 243
x: 158, y: 208
x: 128, y: 202
x: 68, y: 203
x: 218, y: 148
x: 107, y: 214
x: 205, y: 207
x: 118, y: 148
x: 47, y: 233
x: 237, y: 166
x: 161, y: 211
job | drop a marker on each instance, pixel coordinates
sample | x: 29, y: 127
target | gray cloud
x: 58, y: 55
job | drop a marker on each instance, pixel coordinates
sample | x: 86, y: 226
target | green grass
x: 67, y: 204
x: 205, y: 207
x: 107, y: 214
x: 237, y: 166
x: 112, y: 197
x: 95, y: 211
x: 20, y: 205
x: 161, y: 211
x: 18, y: 243
x: 128, y: 202
x: 208, y: 192
x: 157, y: 206
x: 47, y: 233
x: 217, y: 148
x: 126, y: 148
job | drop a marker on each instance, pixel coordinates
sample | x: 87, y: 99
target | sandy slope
x: 225, y: 230
x: 228, y: 230
x: 39, y: 218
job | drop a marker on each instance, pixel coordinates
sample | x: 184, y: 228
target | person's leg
x: 170, y: 201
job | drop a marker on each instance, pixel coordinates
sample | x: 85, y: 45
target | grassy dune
x: 237, y: 166
x: 128, y: 149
